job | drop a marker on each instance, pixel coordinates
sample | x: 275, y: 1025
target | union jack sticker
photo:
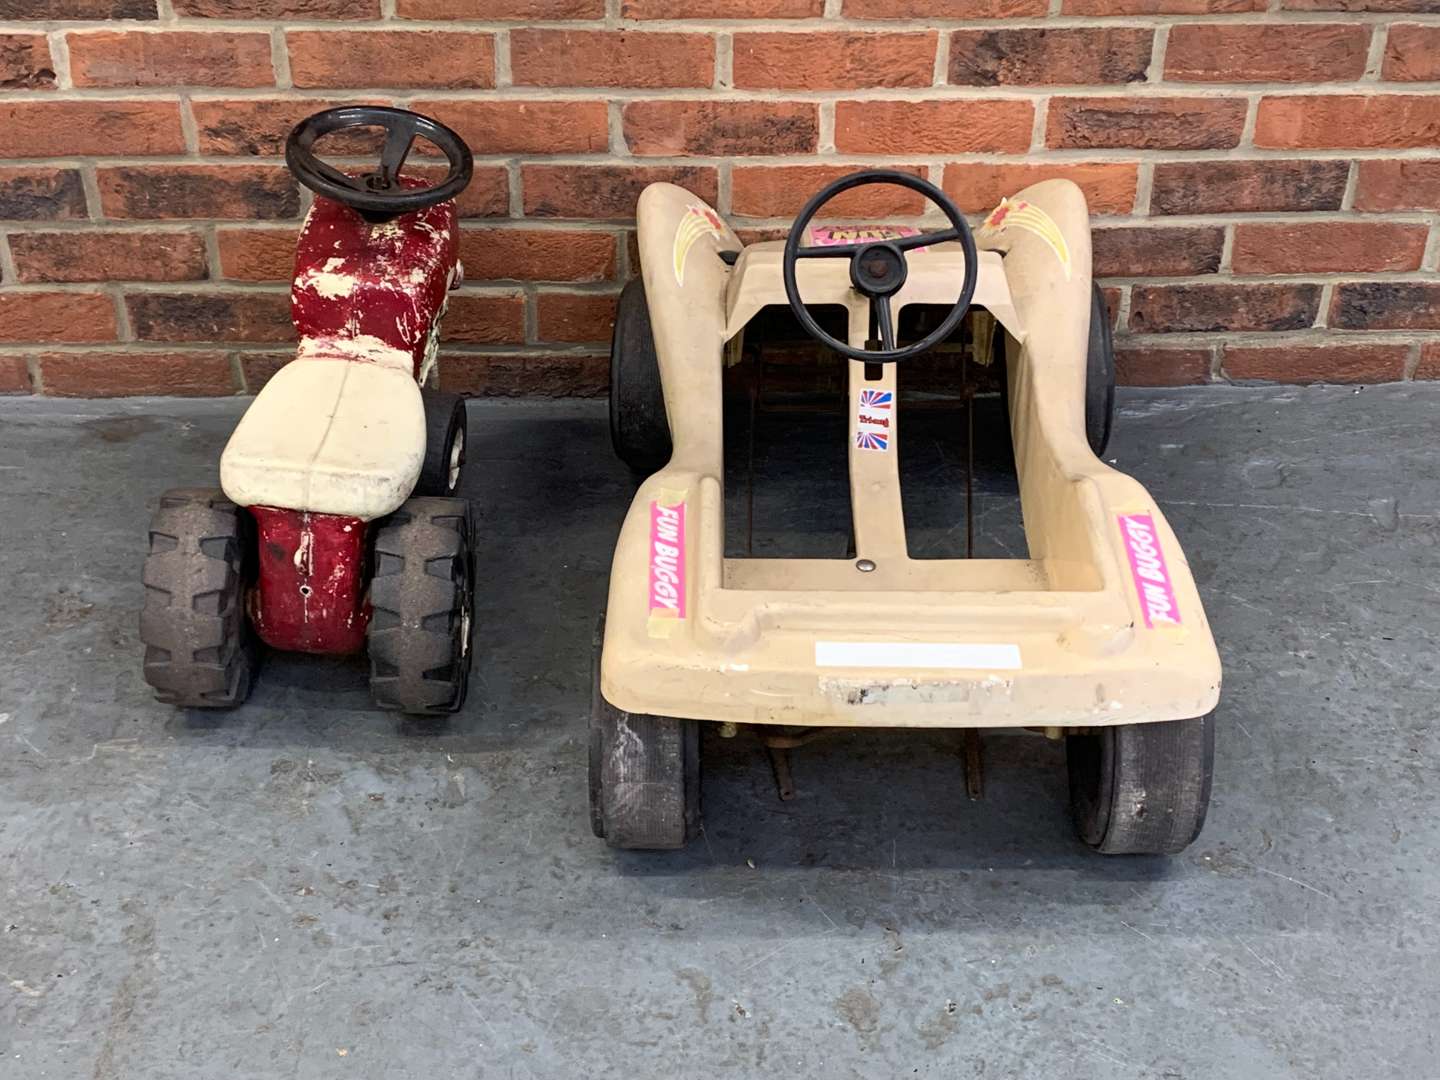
x: 873, y: 418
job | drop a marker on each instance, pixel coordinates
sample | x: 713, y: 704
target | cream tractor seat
x: 330, y: 435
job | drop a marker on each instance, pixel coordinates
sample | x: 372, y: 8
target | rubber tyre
x: 639, y: 427
x: 445, y: 426
x: 644, y: 775
x: 1099, y: 374
x: 421, y: 598
x: 1142, y: 789
x: 200, y: 652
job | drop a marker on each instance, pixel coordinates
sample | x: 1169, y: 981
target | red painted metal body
x: 362, y: 293
x: 309, y: 594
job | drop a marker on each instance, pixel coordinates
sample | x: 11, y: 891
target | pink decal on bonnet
x: 667, y: 559
x: 1147, y: 566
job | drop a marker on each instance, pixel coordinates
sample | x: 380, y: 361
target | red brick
x: 604, y: 191
x: 485, y: 318
x: 500, y: 10
x: 398, y: 58
x: 278, y: 9
x: 257, y: 368
x: 251, y: 316
x: 1162, y: 367
x: 1034, y: 56
x: 577, y: 317
x: 1190, y: 123
x: 1412, y: 53
x: 1232, y: 187
x: 169, y: 58
x: 257, y: 127
x: 79, y: 9
x: 537, y: 255
x: 567, y: 374
x: 487, y: 196
x: 610, y: 58
x: 1410, y: 305
x: 933, y: 127
x: 25, y: 62
x: 1398, y: 185
x: 525, y: 127
x: 1161, y: 7
x: 1109, y: 187
x: 1159, y: 309
x: 1429, y: 366
x: 119, y: 374
x: 198, y: 191
x: 14, y: 375
x: 945, y: 9
x: 1316, y: 364
x: 833, y: 60
x: 721, y: 128
x: 40, y: 193
x: 1338, y: 121
x: 108, y: 256
x: 56, y: 316
x: 1327, y: 247
x: 257, y: 254
x: 1428, y: 7
x: 89, y: 126
x: 1152, y: 251
x: 781, y: 191
x: 1265, y: 52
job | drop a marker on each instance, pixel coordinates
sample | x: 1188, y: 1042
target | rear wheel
x: 1142, y: 789
x: 639, y: 428
x: 200, y: 651
x: 445, y: 436
x: 421, y: 596
x: 644, y: 774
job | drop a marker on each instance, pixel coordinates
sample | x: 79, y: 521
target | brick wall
x: 1265, y: 172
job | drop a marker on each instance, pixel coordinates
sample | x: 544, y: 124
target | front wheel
x: 1141, y: 789
x: 445, y: 437
x: 639, y: 427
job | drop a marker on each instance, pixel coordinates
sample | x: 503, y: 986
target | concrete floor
x: 304, y: 889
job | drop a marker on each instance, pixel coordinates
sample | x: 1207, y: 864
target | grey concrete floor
x: 304, y: 888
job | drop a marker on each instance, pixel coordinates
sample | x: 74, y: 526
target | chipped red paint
x: 310, y: 595
x: 358, y: 283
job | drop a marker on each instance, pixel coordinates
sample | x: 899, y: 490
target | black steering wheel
x: 378, y: 196
x: 878, y: 268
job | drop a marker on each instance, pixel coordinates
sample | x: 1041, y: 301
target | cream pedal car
x: 1098, y: 637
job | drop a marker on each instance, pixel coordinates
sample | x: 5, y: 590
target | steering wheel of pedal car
x: 878, y: 268
x: 379, y: 195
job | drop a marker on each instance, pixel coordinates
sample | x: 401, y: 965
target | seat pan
x: 330, y: 436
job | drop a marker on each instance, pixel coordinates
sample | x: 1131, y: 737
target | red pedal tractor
x: 338, y: 525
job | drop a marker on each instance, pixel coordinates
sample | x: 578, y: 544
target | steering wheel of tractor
x: 378, y: 196
x: 878, y: 268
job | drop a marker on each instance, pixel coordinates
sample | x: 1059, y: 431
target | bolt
x: 865, y: 565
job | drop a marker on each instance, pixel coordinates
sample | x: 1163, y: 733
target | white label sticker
x: 874, y: 416
x: 916, y: 654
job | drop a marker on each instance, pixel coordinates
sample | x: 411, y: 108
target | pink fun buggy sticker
x: 1147, y: 567
x: 667, y: 562
x: 835, y: 235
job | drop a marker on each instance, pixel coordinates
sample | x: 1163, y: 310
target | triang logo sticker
x: 835, y: 235
x: 667, y: 563
x: 1147, y: 567
x: 874, y: 413
x: 699, y: 220
x: 1023, y: 215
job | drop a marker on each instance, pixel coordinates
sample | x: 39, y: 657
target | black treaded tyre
x: 1141, y: 789
x: 1099, y: 373
x: 644, y: 774
x: 200, y: 651
x: 421, y: 599
x: 445, y: 444
x: 639, y: 428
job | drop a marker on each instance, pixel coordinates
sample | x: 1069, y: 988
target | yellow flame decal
x: 1030, y: 218
x: 699, y: 220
